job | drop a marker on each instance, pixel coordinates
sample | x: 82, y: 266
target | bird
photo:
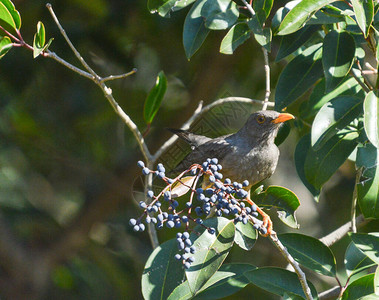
x: 249, y: 154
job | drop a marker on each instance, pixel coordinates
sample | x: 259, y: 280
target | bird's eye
x: 261, y: 119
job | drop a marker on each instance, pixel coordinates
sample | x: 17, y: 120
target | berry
x: 218, y: 175
x: 191, y: 259
x: 141, y: 164
x: 170, y: 224
x: 150, y: 194
x: 198, y: 211
x: 211, y: 230
x: 148, y: 219
x: 188, y: 204
x: 199, y: 191
x: 132, y: 222
x: 214, y: 161
x: 179, y: 235
x: 178, y: 257
x: 185, y: 219
x: 192, y: 249
x: 199, y: 221
x: 245, y: 183
x: 161, y: 175
x: 142, y: 204
x: 212, y: 178
x: 161, y: 168
x: 186, y: 235
x: 227, y: 181
x: 175, y: 204
x: 136, y: 228
x: 167, y: 195
x: 187, y: 250
x: 160, y: 217
x: 145, y: 171
x: 141, y: 227
x: 187, y: 265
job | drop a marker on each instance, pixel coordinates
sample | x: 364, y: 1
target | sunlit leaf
x: 155, y: 97
x: 9, y: 16
x: 164, y: 7
x: 245, y: 236
x: 262, y: 35
x: 262, y: 8
x: 235, y: 37
x: 359, y: 288
x: 219, y: 14
x: 182, y: 187
x: 364, y: 14
x: 371, y: 118
x: 368, y: 244
x: 310, y: 253
x: 355, y: 261
x: 5, y: 45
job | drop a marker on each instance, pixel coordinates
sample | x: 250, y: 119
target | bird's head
x: 265, y: 124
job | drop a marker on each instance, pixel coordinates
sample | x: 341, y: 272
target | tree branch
x: 330, y: 294
x: 267, y: 72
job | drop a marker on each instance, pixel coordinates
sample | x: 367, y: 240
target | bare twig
x: 249, y: 7
x: 267, y: 72
x: 357, y: 79
x: 339, y: 233
x: 330, y: 294
x: 121, y: 76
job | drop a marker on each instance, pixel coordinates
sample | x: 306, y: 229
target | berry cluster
x: 221, y: 198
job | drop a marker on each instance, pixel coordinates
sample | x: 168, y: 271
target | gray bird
x: 250, y: 153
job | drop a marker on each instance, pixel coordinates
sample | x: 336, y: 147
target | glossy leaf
x: 194, y: 31
x: 181, y: 292
x: 162, y: 273
x: 155, y: 97
x: 245, y: 236
x: 359, y: 288
x: 283, y: 200
x: 310, y: 253
x: 321, y: 164
x: 262, y: 8
x: 364, y: 14
x: 235, y: 37
x: 278, y: 281
x: 318, y: 97
x: 290, y: 43
x: 324, y: 18
x: 334, y: 116
x: 39, y: 40
x: 371, y: 118
x: 262, y: 35
x: 298, y: 16
x: 283, y: 133
x: 219, y: 14
x: 5, y: 45
x: 164, y: 8
x: 337, y: 57
x: 355, y: 261
x: 229, y: 279
x: 298, y: 76
x: 211, y: 251
x: 301, y: 152
x: 368, y: 244
x: 9, y: 16
x: 181, y: 188
x: 368, y: 187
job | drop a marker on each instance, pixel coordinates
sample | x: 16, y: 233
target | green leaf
x: 355, y: 261
x: 194, y: 31
x: 301, y: 152
x: 368, y: 187
x: 371, y: 118
x: 337, y: 57
x: 164, y: 7
x: 290, y: 43
x: 368, y: 244
x: 321, y: 164
x: 39, y: 40
x: 283, y: 200
x: 154, y: 99
x: 283, y: 133
x: 376, y: 282
x: 364, y: 14
x: 262, y: 9
x: 318, y: 97
x: 323, y: 18
x: 278, y: 281
x: 310, y: 253
x: 235, y: 37
x: 334, y: 116
x: 5, y: 45
x: 9, y: 16
x: 363, y: 286
x: 298, y: 76
x: 162, y: 273
x: 219, y: 14
x: 298, y: 16
x: 181, y: 292
x: 211, y: 251
x: 245, y: 236
x: 229, y: 279
x: 262, y: 35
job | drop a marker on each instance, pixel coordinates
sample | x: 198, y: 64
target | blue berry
x: 211, y: 230
x: 145, y: 171
x: 154, y: 220
x: 150, y: 194
x: 200, y: 197
x: 199, y: 221
x: 178, y: 224
x: 170, y: 224
x: 219, y: 167
x: 187, y: 250
x: 191, y: 259
x: 185, y: 219
x: 254, y: 207
x: 161, y: 175
x: 141, y: 227
x: 141, y: 164
x: 188, y: 204
x: 179, y: 235
x: 244, y: 221
x: 159, y: 225
x: 209, y: 192
x: 178, y: 257
x: 198, y: 211
x: 188, y: 242
x: 181, y: 245
x: 218, y: 175
x: 205, y: 165
x: 218, y: 185
x: 193, y: 172
x: 192, y: 249
x: 245, y: 183
x: 136, y: 228
x: 214, y: 161
x: 170, y: 181
x: 227, y: 181
x: 158, y: 204
x: 187, y: 265
x: 263, y: 230
x: 175, y: 204
x: 148, y: 219
x: 186, y: 235
x: 142, y: 204
x: 199, y: 191
x: 212, y: 178
x: 160, y: 217
x: 132, y: 222
x: 165, y: 215
x: 160, y: 168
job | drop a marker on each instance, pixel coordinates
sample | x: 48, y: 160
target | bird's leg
x: 267, y: 223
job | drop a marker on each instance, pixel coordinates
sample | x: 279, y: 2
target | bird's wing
x: 191, y: 138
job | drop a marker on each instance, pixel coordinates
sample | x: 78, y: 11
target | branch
x: 267, y: 72
x: 330, y: 294
x: 357, y: 79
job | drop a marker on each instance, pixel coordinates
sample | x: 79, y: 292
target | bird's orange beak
x: 282, y: 118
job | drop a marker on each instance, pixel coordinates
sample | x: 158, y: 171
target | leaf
x: 376, y: 282
x: 337, y: 57
x: 363, y: 286
x: 355, y: 261
x: 278, y: 281
x: 283, y: 133
x: 290, y: 43
x: 181, y: 292
x: 245, y: 236
x: 219, y: 14
x: 5, y: 45
x: 235, y: 37
x: 368, y: 244
x: 9, y: 16
x: 162, y: 273
x: 229, y: 279
x: 154, y: 99
x: 323, y: 18
x: 262, y: 9
x: 283, y: 200
x: 364, y: 14
x: 310, y: 253
x: 368, y: 187
x: 371, y: 118
x: 321, y: 164
x: 211, y: 251
x: 164, y: 8
x: 298, y: 16
x: 334, y: 116
x: 262, y: 35
x: 39, y: 40
x: 194, y: 31
x: 181, y: 188
x: 318, y: 97
x: 298, y: 76
x: 301, y: 152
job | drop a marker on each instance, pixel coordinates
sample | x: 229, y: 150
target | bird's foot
x: 267, y: 223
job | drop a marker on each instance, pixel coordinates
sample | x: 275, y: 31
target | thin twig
x: 330, y: 294
x: 267, y: 72
x: 121, y: 76
x: 294, y: 264
x: 198, y: 113
x: 354, y: 202
x: 9, y: 34
x: 364, y: 87
x: 249, y: 7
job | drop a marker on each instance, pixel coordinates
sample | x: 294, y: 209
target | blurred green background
x: 68, y: 164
